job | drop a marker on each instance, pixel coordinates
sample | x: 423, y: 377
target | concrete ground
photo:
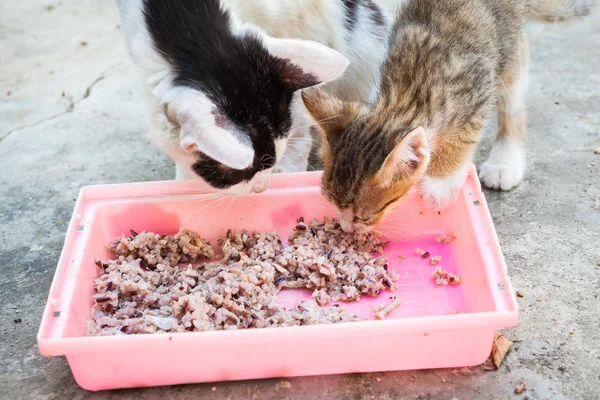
x: 71, y: 115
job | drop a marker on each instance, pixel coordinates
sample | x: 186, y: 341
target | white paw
x: 504, y: 167
x: 438, y: 193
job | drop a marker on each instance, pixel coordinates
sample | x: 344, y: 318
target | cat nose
x: 347, y: 226
x: 346, y: 220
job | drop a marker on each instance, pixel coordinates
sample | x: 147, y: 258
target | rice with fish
x: 159, y: 283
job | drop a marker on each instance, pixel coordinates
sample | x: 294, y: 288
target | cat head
x: 231, y: 92
x: 370, y: 165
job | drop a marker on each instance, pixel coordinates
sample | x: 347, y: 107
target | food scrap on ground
x: 161, y: 283
x: 445, y: 239
x: 520, y: 388
x: 500, y: 348
x: 520, y: 294
x: 443, y: 277
x: 283, y: 385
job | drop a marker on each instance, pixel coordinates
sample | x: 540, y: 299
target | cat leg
x: 297, y: 152
x: 449, y: 163
x: 505, y: 165
x: 448, y: 169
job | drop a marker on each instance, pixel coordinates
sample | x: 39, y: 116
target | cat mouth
x: 356, y: 228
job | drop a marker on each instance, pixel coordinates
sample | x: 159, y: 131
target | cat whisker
x: 387, y: 224
x: 314, y: 124
x: 313, y: 168
x: 233, y: 198
x: 405, y: 234
x: 210, y: 204
x: 186, y: 198
x: 295, y: 146
x: 319, y: 202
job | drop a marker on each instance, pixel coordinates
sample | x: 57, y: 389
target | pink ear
x: 314, y: 58
x: 409, y: 155
x: 192, y: 111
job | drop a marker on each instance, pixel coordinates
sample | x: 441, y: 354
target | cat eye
x: 388, y: 204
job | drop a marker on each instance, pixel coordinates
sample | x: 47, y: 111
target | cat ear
x: 331, y: 114
x: 410, y: 155
x: 315, y: 59
x: 193, y: 113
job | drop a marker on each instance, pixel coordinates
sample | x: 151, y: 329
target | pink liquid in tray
x: 415, y: 335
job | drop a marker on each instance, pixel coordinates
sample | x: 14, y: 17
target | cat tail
x: 558, y: 10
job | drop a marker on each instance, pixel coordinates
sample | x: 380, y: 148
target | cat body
x: 448, y: 64
x: 222, y: 77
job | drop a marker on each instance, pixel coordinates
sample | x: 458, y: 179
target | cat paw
x: 438, y: 193
x: 505, y: 166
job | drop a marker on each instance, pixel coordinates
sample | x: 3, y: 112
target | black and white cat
x: 222, y: 77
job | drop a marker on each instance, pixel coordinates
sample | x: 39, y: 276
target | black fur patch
x: 376, y: 14
x: 351, y: 13
x: 250, y: 87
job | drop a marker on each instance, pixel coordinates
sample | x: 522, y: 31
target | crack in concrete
x: 69, y: 109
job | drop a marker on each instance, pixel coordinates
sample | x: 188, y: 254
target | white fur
x: 181, y: 173
x: 198, y: 131
x: 298, y: 145
x: 438, y: 193
x: 505, y: 166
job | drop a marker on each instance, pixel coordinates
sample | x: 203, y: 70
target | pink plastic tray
x: 419, y: 334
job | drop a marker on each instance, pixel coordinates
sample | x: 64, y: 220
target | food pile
x: 161, y: 283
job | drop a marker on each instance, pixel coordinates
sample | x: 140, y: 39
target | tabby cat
x: 448, y: 63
